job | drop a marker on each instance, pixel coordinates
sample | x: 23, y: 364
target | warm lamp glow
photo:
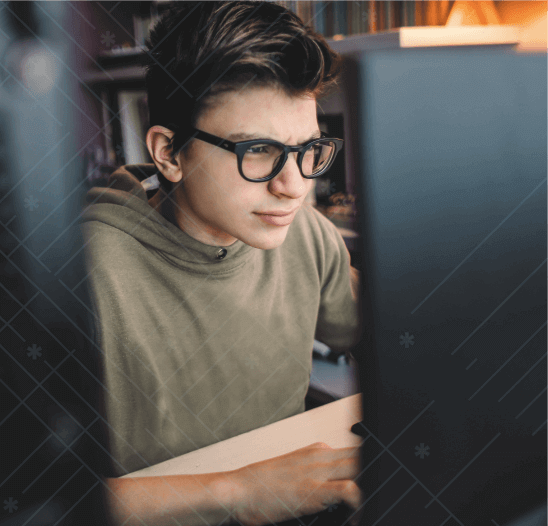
x: 521, y: 13
x: 528, y: 17
x: 463, y: 14
x: 472, y: 14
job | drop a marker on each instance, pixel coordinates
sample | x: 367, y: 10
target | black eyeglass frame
x: 239, y: 148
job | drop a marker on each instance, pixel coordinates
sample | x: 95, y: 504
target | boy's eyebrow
x: 235, y: 137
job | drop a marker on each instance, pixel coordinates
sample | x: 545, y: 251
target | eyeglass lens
x: 261, y: 160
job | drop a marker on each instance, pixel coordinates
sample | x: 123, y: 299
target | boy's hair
x: 198, y: 50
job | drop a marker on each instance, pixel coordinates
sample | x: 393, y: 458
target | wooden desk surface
x: 330, y: 423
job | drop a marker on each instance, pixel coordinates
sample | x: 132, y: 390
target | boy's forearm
x: 189, y: 499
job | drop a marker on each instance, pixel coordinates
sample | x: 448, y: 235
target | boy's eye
x: 259, y: 148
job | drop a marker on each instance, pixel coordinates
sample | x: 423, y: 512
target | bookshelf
x: 404, y: 37
x: 336, y: 20
x: 340, y: 19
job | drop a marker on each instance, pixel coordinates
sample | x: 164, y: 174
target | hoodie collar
x: 123, y: 204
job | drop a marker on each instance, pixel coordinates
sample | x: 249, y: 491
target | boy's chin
x: 268, y: 242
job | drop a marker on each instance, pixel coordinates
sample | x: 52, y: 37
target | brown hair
x: 200, y: 49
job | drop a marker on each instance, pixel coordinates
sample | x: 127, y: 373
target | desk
x: 330, y: 423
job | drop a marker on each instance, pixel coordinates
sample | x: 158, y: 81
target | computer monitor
x: 452, y: 172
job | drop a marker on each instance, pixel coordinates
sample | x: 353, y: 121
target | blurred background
x: 73, y: 107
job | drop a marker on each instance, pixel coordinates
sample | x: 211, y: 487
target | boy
x: 208, y: 294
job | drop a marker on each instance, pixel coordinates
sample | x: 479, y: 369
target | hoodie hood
x: 123, y: 205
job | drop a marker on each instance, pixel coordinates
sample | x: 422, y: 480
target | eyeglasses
x: 260, y: 160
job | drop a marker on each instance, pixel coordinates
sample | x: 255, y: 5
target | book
x: 353, y: 17
x: 304, y: 10
x: 381, y: 15
x: 430, y: 10
x: 357, y: 24
x: 393, y: 14
x: 389, y: 14
x: 372, y: 18
x: 134, y: 125
x: 318, y: 16
x: 340, y: 18
x: 397, y: 14
x: 365, y: 17
x: 141, y: 29
x: 329, y: 19
x: 299, y: 7
x: 408, y: 13
x: 419, y: 19
x: 108, y: 129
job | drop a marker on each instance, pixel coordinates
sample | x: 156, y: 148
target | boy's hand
x: 303, y: 482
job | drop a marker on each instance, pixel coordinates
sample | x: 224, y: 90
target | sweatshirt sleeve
x: 338, y: 319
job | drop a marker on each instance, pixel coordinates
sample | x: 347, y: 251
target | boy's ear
x: 158, y: 141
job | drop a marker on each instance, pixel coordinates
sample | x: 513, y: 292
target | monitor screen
x: 452, y: 172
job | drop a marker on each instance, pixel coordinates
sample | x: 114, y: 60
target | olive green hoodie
x: 198, y: 349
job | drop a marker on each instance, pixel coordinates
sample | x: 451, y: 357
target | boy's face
x: 217, y: 205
